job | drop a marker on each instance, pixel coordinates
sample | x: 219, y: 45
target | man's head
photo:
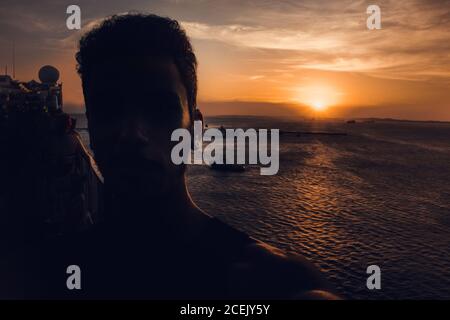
x: 140, y: 83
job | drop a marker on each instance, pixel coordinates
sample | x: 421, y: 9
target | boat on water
x: 49, y: 183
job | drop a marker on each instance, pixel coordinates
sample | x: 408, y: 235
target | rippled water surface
x: 378, y: 195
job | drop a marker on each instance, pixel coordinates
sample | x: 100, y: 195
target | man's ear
x: 198, y: 116
x: 89, y: 123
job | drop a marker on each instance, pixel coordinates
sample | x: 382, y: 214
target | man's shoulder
x: 259, y: 270
x: 289, y: 274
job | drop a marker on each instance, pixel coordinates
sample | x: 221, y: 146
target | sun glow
x: 319, y: 97
x: 318, y: 106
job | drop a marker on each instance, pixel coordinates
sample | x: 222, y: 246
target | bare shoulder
x: 268, y: 272
x: 257, y: 270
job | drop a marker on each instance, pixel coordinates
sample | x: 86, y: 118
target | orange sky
x: 287, y: 55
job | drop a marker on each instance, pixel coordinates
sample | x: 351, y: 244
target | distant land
x: 398, y: 120
x: 290, y: 109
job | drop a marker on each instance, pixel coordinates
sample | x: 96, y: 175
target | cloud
x: 413, y: 44
x: 258, y: 49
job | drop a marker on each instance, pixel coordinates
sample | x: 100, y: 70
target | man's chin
x: 138, y: 186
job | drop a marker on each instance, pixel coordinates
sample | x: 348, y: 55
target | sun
x: 318, y: 106
x: 319, y: 97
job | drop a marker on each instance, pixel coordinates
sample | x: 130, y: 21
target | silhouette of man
x: 139, y: 81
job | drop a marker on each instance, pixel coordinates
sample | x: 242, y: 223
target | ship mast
x: 14, y: 60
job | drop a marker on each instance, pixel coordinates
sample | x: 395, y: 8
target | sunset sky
x: 269, y: 57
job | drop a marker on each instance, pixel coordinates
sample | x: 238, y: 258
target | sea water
x: 378, y: 195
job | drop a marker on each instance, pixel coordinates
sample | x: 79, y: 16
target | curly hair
x: 147, y: 34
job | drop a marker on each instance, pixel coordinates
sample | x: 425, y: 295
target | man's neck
x: 168, y: 210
